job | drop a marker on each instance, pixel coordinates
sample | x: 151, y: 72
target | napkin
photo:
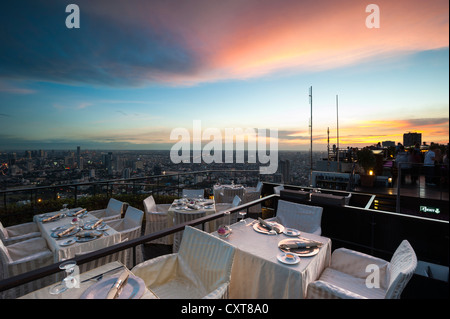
x: 115, y: 289
x: 265, y: 224
x: 97, y: 223
x: 51, y: 218
x: 80, y: 212
x: 300, y: 245
x: 89, y: 234
x: 68, y: 230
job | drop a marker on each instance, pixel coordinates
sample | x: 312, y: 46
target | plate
x: 68, y: 242
x: 71, y: 233
x: 291, y: 232
x: 263, y: 230
x: 304, y: 252
x: 134, y: 288
x: 95, y: 234
x: 286, y: 259
x: 88, y: 226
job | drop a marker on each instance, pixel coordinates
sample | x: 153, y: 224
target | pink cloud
x: 242, y: 39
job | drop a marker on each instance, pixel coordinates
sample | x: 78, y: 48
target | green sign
x: 426, y: 209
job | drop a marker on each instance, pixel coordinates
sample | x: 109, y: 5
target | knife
x: 120, y: 282
x: 96, y: 277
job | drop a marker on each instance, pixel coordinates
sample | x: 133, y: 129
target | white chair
x: 354, y: 275
x: 251, y: 194
x: 121, y: 256
x: 180, y: 218
x: 222, y: 207
x: 130, y: 227
x: 156, y: 219
x: 113, y: 211
x: 277, y: 189
x: 201, y: 269
x: 16, y: 233
x: 22, y: 257
x: 194, y: 193
x: 299, y: 216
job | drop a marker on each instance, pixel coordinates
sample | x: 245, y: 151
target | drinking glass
x: 69, y: 281
x: 242, y: 214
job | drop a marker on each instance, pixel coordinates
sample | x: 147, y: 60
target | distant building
x: 410, y: 139
x: 285, y: 170
x: 388, y: 143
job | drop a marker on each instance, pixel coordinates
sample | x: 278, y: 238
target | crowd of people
x: 433, y: 163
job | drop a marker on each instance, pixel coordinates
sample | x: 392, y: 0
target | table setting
x: 226, y: 192
x: 110, y: 281
x: 274, y: 261
x: 73, y: 231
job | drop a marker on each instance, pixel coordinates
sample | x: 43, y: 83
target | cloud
x: 142, y: 42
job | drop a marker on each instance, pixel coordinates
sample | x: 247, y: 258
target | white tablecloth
x: 207, y: 206
x: 256, y: 272
x: 76, y: 293
x: 66, y: 252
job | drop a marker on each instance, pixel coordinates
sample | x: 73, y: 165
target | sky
x: 135, y: 71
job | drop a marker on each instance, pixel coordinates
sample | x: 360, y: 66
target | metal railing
x: 24, y: 278
x: 171, y: 184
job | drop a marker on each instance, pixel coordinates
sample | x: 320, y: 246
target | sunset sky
x: 135, y: 70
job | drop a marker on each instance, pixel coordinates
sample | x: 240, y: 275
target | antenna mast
x: 337, y: 120
x: 310, y: 127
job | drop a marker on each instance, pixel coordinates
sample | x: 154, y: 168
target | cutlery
x: 100, y: 277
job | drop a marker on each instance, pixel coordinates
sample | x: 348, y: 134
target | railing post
x: 399, y: 179
x: 75, y: 191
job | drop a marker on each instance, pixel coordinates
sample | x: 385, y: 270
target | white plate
x: 289, y: 261
x: 68, y: 242
x: 263, y: 230
x: 57, y: 228
x: 291, y: 232
x: 89, y: 226
x: 71, y: 233
x: 307, y: 252
x: 133, y: 289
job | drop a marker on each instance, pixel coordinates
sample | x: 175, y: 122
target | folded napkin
x: 68, y: 230
x: 89, y: 234
x: 300, y: 245
x: 268, y: 226
x: 97, y: 223
x: 116, y: 288
x: 51, y: 218
x: 80, y: 212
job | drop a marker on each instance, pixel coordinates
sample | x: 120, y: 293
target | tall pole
x: 337, y: 120
x: 311, y: 134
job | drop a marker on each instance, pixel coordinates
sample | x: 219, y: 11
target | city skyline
x: 135, y: 71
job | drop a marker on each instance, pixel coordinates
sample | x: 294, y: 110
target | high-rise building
x: 410, y: 139
x: 284, y: 166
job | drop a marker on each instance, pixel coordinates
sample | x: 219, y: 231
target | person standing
x: 428, y: 164
x: 416, y: 160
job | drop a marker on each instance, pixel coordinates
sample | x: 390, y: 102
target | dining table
x: 72, y: 243
x: 224, y: 193
x: 190, y: 205
x: 262, y: 270
x: 96, y: 283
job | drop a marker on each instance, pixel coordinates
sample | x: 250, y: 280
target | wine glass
x: 70, y: 281
x: 242, y: 214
